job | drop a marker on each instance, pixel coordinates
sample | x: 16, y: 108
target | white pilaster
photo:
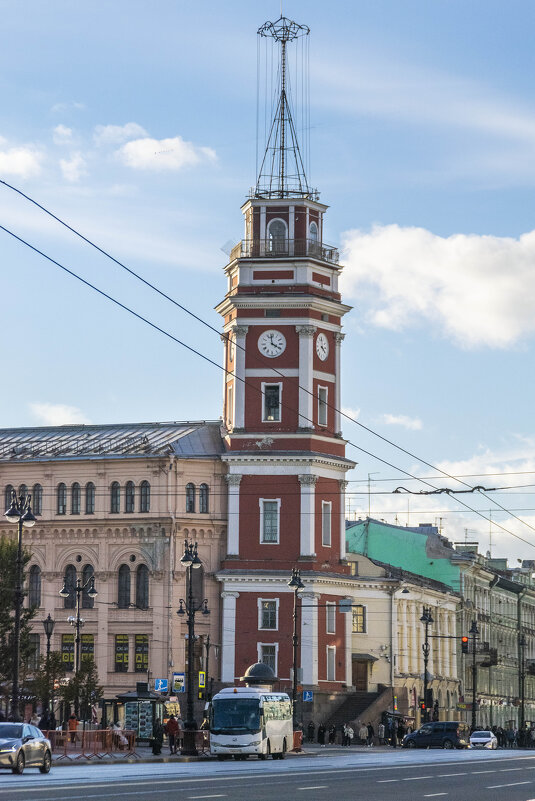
x: 306, y: 372
x: 291, y: 230
x: 349, y: 643
x: 233, y: 526
x: 415, y: 628
x: 262, y: 230
x: 343, y: 486
x: 309, y: 638
x: 338, y: 339
x: 404, y: 660
x: 308, y: 517
x: 240, y: 332
x: 228, y: 638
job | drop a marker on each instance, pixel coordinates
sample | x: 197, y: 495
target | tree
x: 8, y: 581
x: 83, y: 689
x: 46, y: 682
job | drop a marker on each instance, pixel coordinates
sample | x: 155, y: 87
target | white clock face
x: 322, y: 347
x: 271, y: 343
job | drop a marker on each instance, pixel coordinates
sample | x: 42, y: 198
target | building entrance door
x: 360, y: 675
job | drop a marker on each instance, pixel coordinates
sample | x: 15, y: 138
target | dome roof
x: 259, y: 673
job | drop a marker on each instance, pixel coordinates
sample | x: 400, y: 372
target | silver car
x: 483, y: 739
x: 24, y: 746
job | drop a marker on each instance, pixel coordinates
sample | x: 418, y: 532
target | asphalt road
x: 386, y: 776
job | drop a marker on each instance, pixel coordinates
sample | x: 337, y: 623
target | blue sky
x: 135, y: 122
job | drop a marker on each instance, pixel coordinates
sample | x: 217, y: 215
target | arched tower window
x: 90, y: 498
x: 142, y: 587
x: 130, y: 491
x: 144, y: 498
x: 70, y: 584
x: 23, y: 490
x: 203, y: 498
x: 190, y: 497
x: 8, y: 493
x: 115, y: 498
x: 87, y: 601
x: 34, y: 588
x: 62, y: 499
x: 37, y: 499
x: 277, y: 235
x: 123, y: 590
x: 313, y: 232
x: 76, y: 498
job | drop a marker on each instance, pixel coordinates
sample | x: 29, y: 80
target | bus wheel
x: 262, y: 756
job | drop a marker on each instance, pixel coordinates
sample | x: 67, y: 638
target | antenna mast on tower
x: 282, y: 170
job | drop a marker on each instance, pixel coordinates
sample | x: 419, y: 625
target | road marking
x: 512, y: 784
x: 417, y: 778
x: 386, y: 781
x: 315, y: 787
x: 475, y: 772
x: 441, y: 775
x: 508, y: 770
x: 217, y: 795
x: 433, y: 795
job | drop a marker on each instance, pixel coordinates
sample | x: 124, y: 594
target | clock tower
x: 281, y: 423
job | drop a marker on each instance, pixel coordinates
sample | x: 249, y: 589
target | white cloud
x: 57, y: 414
x: 117, y: 134
x: 66, y: 106
x: 62, y: 135
x: 475, y: 290
x: 412, y: 423
x: 163, y: 154
x: 353, y: 413
x: 23, y: 161
x: 74, y: 168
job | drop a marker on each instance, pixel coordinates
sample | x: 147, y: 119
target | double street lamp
x: 427, y: 620
x: 522, y: 685
x: 76, y: 621
x: 190, y: 560
x: 20, y: 512
x: 48, y: 625
x: 296, y: 584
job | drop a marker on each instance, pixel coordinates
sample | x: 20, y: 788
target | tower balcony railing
x: 283, y: 248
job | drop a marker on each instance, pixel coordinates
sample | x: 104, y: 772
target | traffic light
x: 421, y: 704
x: 464, y: 645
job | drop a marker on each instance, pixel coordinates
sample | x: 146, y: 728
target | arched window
x: 8, y: 494
x: 70, y: 584
x: 76, y: 498
x: 203, y: 498
x: 115, y: 497
x: 23, y: 490
x: 37, y: 499
x: 90, y: 498
x: 144, y: 498
x: 313, y: 232
x: 197, y: 586
x: 190, y: 497
x: 277, y: 236
x: 142, y: 587
x: 87, y: 601
x: 129, y: 496
x: 123, y: 589
x: 34, y: 589
x: 62, y: 499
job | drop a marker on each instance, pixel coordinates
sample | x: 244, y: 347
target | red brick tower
x: 286, y: 458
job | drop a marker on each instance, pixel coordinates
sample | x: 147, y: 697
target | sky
x: 135, y: 122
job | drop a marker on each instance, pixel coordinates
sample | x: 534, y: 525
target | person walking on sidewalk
x: 371, y: 735
x: 157, y: 738
x: 171, y: 729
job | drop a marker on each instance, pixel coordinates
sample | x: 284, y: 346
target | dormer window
x: 277, y: 236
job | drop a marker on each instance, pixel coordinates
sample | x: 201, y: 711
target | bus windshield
x: 235, y: 714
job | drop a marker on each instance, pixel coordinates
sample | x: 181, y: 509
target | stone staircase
x: 353, y: 708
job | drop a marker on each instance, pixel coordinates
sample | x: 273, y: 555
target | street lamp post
x: 474, y: 631
x: 521, y: 682
x: 427, y: 620
x: 48, y: 626
x: 20, y: 512
x: 78, y: 622
x: 190, y: 560
x: 296, y: 584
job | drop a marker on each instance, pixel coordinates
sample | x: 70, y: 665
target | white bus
x: 250, y: 720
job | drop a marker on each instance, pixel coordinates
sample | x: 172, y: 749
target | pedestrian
x: 381, y: 733
x: 157, y: 738
x: 371, y: 734
x: 35, y: 718
x: 332, y: 735
x: 363, y: 734
x: 44, y: 722
x: 180, y: 735
x: 205, y: 722
x: 171, y: 729
x: 311, y: 728
x: 349, y: 734
x: 321, y: 734
x: 72, y: 725
x: 401, y: 732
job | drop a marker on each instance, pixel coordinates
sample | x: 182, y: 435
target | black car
x: 439, y: 734
x: 24, y: 746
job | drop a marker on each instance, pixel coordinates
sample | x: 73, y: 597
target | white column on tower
x: 348, y: 617
x: 338, y: 339
x: 262, y: 248
x: 240, y: 332
x: 343, y: 486
x: 309, y: 637
x: 308, y: 517
x: 291, y: 230
x: 233, y: 526
x: 306, y: 374
x: 228, y: 638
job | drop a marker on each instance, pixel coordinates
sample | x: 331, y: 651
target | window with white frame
x: 326, y: 519
x: 269, y: 520
x: 271, y: 403
x: 267, y: 653
x: 358, y: 617
x: 322, y: 406
x: 268, y: 613
x: 331, y: 663
x: 277, y: 235
x: 330, y: 614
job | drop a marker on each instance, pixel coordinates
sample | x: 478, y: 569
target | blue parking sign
x: 161, y: 685
x: 308, y: 695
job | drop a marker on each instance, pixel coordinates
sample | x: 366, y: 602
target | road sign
x: 161, y: 685
x: 179, y: 682
x: 308, y: 695
x: 202, y: 679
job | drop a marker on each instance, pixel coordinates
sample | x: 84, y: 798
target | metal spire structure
x: 282, y: 171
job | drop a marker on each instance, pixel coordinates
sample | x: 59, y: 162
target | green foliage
x: 44, y: 680
x: 83, y: 689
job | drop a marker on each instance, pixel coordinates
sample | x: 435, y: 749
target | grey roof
x: 187, y: 439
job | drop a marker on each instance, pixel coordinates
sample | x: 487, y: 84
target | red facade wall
x: 288, y: 489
